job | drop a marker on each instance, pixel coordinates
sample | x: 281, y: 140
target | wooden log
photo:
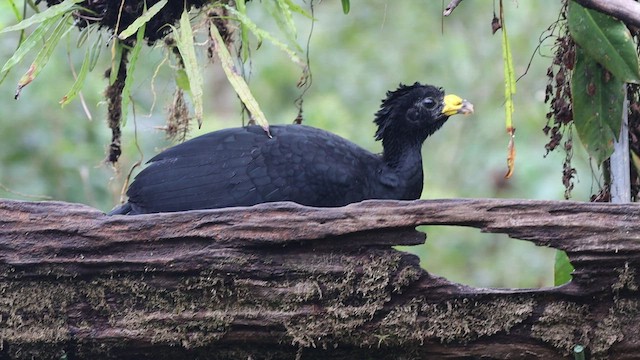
x: 285, y: 281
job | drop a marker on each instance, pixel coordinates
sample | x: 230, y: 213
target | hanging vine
x: 559, y: 124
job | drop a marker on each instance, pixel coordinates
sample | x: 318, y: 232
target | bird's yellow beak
x: 454, y: 104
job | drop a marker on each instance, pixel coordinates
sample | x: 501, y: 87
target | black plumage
x: 243, y: 166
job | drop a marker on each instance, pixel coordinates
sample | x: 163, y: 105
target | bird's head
x: 417, y: 111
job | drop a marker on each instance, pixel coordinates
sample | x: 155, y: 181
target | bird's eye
x: 429, y: 103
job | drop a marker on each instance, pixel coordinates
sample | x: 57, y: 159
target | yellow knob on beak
x: 454, y: 104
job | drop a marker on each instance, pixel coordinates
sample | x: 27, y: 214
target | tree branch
x: 452, y: 6
x: 628, y: 11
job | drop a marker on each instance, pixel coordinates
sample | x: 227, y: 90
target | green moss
x: 35, y: 314
x: 566, y: 324
x: 461, y: 320
x: 193, y: 329
x: 626, y: 279
x: 563, y: 325
x: 611, y: 329
x: 405, y: 277
x: 362, y: 292
x: 31, y: 315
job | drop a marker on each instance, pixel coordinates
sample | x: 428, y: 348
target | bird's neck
x: 403, y: 169
x: 402, y: 153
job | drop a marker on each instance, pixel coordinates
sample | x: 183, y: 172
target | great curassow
x: 244, y: 166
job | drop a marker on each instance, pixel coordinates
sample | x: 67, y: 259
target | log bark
x: 285, y: 281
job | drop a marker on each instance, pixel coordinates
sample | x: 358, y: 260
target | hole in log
x: 468, y: 256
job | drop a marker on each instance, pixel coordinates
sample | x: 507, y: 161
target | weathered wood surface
x: 285, y: 281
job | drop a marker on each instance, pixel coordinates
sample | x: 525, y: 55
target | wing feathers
x: 243, y: 166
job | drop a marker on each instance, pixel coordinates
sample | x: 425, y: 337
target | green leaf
x: 84, y: 35
x: 509, y: 78
x: 262, y: 34
x: 128, y: 81
x: 15, y: 10
x: 44, y: 54
x: 184, y: 41
x: 35, y: 38
x: 285, y: 21
x: 635, y: 160
x: 597, y: 106
x: 79, y: 83
x: 244, y: 32
x: 346, y: 6
x: 606, y: 40
x: 298, y: 9
x: 281, y: 13
x: 143, y: 19
x: 562, y: 269
x: 182, y: 80
x: 509, y: 92
x: 238, y: 83
x: 96, y: 50
x: 53, y: 11
x: 116, y: 60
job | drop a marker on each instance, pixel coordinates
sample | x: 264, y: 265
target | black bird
x: 244, y: 166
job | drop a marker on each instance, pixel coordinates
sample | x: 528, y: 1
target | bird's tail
x: 123, y: 209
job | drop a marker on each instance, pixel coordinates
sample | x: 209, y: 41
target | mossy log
x: 285, y: 281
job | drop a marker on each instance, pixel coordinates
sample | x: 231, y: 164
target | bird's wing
x: 312, y: 167
x: 243, y: 166
x: 205, y: 172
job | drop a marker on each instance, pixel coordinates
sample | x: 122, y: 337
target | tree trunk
x: 285, y: 281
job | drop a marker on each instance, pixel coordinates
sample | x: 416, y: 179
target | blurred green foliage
x: 355, y: 59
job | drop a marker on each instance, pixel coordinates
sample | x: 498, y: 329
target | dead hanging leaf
x: 495, y: 24
x: 511, y: 152
x: 178, y: 118
x: 25, y: 80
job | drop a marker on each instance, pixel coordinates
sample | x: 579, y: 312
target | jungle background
x: 49, y: 152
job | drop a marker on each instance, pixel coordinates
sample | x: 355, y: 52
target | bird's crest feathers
x: 384, y: 116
